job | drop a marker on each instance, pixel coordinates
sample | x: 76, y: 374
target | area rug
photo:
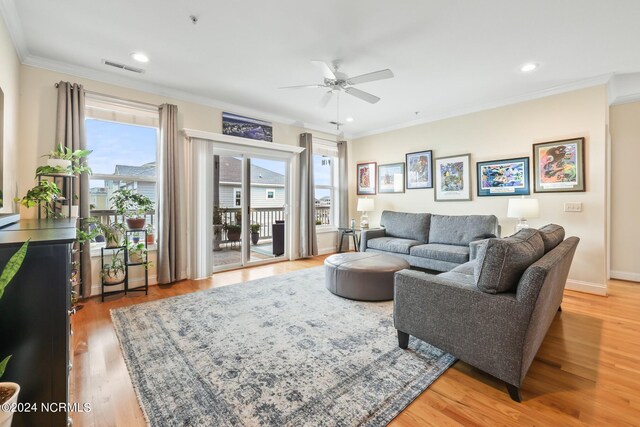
x: 280, y: 351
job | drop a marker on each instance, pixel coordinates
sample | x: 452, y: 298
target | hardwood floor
x: 586, y: 372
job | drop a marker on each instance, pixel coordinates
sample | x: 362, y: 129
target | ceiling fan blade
x: 370, y: 77
x: 365, y: 96
x: 326, y: 98
x: 327, y: 72
x: 302, y: 87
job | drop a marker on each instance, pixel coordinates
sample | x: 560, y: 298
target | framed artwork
x: 506, y: 177
x: 366, y: 175
x: 246, y: 127
x: 453, y: 178
x: 391, y: 178
x: 558, y: 166
x: 419, y: 169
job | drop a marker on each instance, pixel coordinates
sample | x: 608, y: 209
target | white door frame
x: 201, y: 191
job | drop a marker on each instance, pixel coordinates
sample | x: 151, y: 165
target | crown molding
x: 569, y: 87
x: 164, y: 91
x: 13, y: 24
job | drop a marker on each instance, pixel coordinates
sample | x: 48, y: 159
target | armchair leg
x: 514, y: 392
x: 403, y: 340
x: 559, y: 308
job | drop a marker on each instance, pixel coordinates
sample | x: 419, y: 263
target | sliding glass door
x: 249, y: 209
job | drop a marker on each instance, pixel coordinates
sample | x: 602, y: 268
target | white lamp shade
x: 365, y: 205
x: 523, y: 208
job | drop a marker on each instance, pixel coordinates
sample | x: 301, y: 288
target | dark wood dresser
x: 35, y: 318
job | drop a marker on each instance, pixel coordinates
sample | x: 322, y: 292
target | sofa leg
x: 559, y: 308
x: 514, y: 392
x: 403, y: 340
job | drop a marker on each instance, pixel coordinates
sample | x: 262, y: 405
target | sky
x: 119, y: 144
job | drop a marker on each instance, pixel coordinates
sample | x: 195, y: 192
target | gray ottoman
x: 363, y: 276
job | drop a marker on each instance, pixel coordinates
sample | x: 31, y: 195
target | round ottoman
x: 364, y: 276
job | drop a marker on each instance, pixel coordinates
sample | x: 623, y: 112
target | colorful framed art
x: 508, y: 177
x: 558, y: 166
x: 453, y: 178
x: 391, y: 178
x: 419, y: 169
x: 366, y: 176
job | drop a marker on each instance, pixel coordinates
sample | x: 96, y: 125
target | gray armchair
x: 498, y: 333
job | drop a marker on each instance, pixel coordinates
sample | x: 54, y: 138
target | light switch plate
x: 573, y: 207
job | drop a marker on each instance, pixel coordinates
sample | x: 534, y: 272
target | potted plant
x: 115, y: 271
x: 234, y: 230
x: 65, y: 160
x: 218, y: 226
x: 9, y: 391
x: 45, y: 194
x: 113, y: 233
x: 151, y: 235
x: 133, y: 206
x: 137, y: 253
x: 255, y: 233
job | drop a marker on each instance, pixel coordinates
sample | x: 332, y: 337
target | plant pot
x: 255, y: 237
x: 217, y: 236
x: 233, y: 235
x: 135, y: 258
x: 7, y: 417
x: 114, y: 242
x: 151, y: 239
x: 111, y: 279
x: 135, y: 223
x: 75, y: 210
x: 59, y: 163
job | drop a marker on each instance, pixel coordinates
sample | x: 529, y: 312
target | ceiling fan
x: 337, y: 81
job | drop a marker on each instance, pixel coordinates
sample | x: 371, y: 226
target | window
x: 271, y: 193
x: 123, y: 137
x: 325, y: 160
x: 237, y: 197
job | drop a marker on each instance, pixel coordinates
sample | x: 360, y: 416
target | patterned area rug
x: 281, y: 351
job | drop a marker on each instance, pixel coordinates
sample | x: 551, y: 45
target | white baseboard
x: 329, y: 250
x: 587, y: 287
x: 625, y: 275
x: 133, y: 283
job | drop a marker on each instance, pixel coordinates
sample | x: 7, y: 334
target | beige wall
x: 625, y: 196
x: 504, y: 133
x: 10, y: 84
x: 38, y: 112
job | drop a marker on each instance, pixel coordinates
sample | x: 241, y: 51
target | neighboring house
x: 267, y: 186
x: 140, y: 178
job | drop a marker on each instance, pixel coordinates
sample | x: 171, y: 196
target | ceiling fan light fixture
x: 140, y: 57
x: 349, y: 119
x: 529, y: 67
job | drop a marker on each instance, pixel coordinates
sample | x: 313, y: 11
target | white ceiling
x: 448, y: 56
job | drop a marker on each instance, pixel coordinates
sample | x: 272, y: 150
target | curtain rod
x: 89, y: 92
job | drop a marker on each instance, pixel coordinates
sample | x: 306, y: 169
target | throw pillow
x: 501, y: 262
x: 552, y: 235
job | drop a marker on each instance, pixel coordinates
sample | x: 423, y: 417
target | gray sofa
x: 430, y: 241
x: 492, y: 312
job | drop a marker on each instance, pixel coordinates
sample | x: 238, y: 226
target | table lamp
x: 522, y: 209
x: 364, y: 206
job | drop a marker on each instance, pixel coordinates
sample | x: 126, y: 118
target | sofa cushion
x: 552, y: 235
x: 461, y: 229
x: 392, y: 244
x: 406, y: 225
x: 466, y: 268
x: 467, y: 279
x: 501, y: 262
x: 449, y: 253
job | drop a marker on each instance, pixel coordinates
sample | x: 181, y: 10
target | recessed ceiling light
x: 140, y: 57
x: 527, y: 68
x: 349, y: 119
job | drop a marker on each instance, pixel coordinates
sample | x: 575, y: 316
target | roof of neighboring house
x: 231, y: 171
x: 146, y: 170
